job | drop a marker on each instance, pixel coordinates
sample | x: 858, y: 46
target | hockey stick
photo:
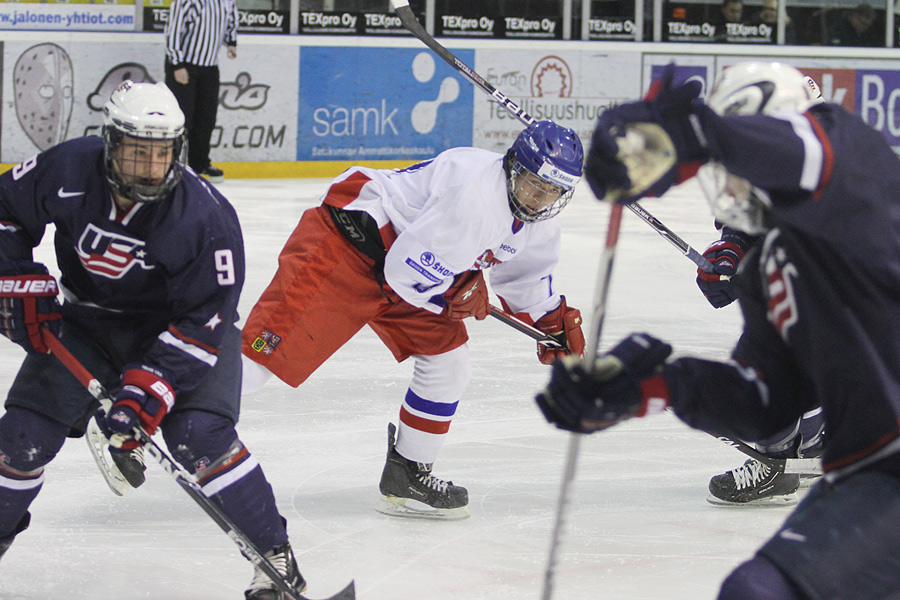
x: 683, y: 247
x: 799, y: 466
x: 184, y: 478
x: 523, y: 327
x: 408, y: 19
x: 604, y: 276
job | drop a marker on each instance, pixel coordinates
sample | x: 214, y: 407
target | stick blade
x: 348, y: 593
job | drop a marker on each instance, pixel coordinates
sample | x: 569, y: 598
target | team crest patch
x: 266, y: 342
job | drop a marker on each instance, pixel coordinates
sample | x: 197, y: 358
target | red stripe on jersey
x: 827, y: 156
x: 861, y: 454
x: 344, y: 192
x: 426, y: 425
x: 192, y: 341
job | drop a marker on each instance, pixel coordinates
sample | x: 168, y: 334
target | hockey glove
x: 725, y: 255
x: 627, y: 382
x: 27, y: 303
x: 632, y: 145
x: 144, y: 399
x: 467, y: 297
x: 563, y: 325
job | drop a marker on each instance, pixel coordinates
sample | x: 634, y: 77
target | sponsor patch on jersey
x: 266, y: 342
x: 108, y: 254
x: 419, y: 268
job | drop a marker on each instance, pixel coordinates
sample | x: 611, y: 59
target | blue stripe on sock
x: 438, y: 409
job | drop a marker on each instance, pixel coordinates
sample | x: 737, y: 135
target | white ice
x: 638, y: 525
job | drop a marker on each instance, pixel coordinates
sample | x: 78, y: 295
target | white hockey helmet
x: 760, y: 88
x: 148, y: 112
x: 751, y: 88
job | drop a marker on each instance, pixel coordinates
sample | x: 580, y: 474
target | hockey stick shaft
x: 182, y: 477
x: 409, y: 20
x: 683, y: 247
x: 523, y: 327
x: 604, y: 277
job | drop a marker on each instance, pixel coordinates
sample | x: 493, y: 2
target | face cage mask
x: 733, y: 200
x: 519, y: 181
x: 134, y: 189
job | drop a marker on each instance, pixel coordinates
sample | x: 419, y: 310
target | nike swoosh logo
x: 789, y: 534
x: 64, y: 194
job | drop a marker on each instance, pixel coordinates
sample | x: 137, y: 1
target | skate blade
x: 99, y: 447
x: 784, y: 500
x: 412, y: 509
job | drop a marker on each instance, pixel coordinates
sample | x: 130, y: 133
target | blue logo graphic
x: 381, y: 104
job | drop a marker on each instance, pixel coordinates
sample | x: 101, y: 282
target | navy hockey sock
x: 28, y: 441
x: 207, y: 445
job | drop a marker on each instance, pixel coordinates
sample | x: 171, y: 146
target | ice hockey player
x: 152, y: 263
x: 820, y: 297
x: 403, y: 252
x: 756, y: 482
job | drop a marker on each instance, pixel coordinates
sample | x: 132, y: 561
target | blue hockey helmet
x: 543, y: 165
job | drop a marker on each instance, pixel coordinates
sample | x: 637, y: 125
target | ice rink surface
x: 638, y: 526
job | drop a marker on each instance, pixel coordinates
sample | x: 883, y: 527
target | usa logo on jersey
x: 108, y: 254
x: 780, y: 275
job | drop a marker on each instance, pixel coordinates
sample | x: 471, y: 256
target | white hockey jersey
x: 451, y: 214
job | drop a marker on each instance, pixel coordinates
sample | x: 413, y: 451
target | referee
x: 194, y: 33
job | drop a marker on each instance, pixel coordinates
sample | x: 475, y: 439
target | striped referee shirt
x: 197, y: 28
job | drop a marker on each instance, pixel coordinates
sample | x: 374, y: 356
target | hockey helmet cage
x: 146, y: 112
x: 544, y: 166
x: 751, y: 88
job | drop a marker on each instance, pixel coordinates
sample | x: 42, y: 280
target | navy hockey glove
x: 564, y: 325
x: 467, y: 297
x: 725, y: 255
x: 627, y: 382
x: 144, y: 399
x: 27, y: 304
x: 618, y: 167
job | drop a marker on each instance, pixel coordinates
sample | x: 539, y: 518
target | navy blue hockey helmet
x: 544, y: 165
x: 143, y: 128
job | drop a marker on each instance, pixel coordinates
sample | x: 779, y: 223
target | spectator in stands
x: 857, y: 28
x: 731, y: 11
x: 768, y: 15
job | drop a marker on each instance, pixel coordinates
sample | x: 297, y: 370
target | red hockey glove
x: 628, y: 382
x: 27, y: 302
x: 145, y: 398
x: 725, y: 255
x: 563, y: 325
x: 467, y: 297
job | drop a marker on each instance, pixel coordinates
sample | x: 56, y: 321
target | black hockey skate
x: 755, y: 483
x: 131, y: 465
x: 262, y: 588
x: 408, y: 489
x: 5, y: 543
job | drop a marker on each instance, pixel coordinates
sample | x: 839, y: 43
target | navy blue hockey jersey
x: 178, y: 262
x: 820, y: 294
